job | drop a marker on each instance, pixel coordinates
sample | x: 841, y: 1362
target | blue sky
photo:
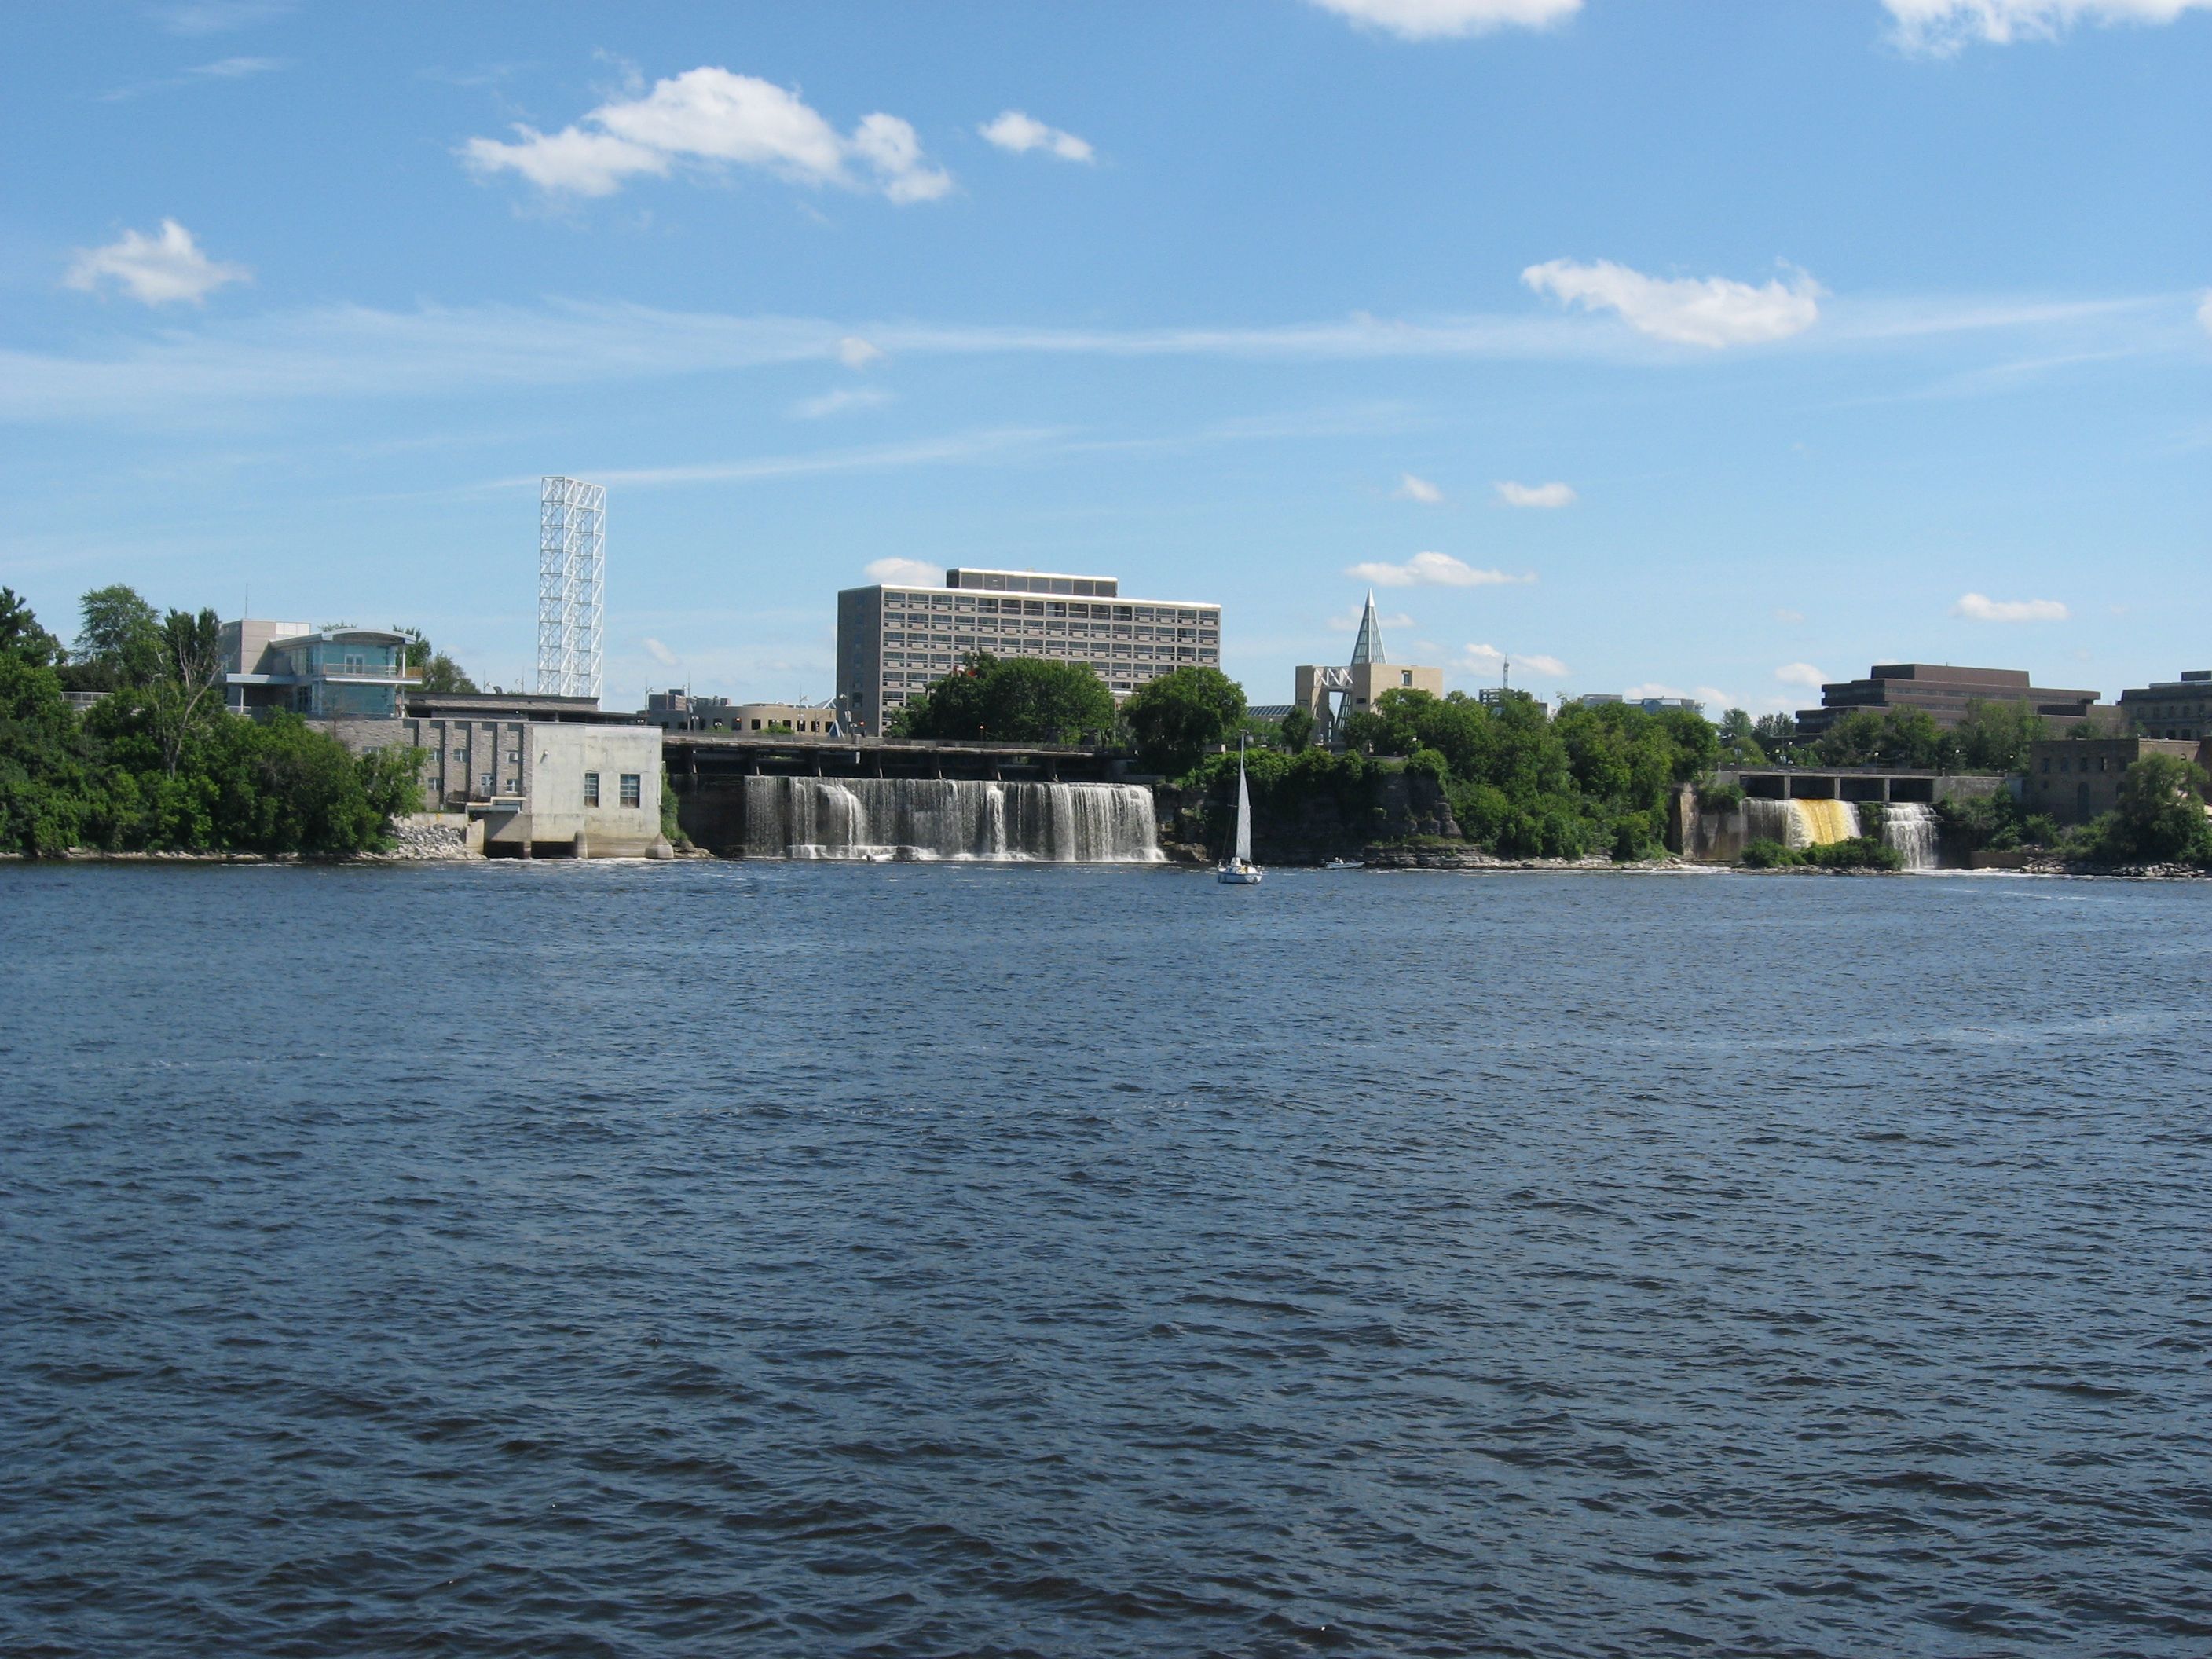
x: 1709, y: 346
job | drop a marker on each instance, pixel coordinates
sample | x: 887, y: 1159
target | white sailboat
x: 1237, y: 869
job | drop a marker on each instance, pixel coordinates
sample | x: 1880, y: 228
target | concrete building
x: 541, y: 775
x: 2177, y: 709
x: 2077, y: 778
x: 678, y: 710
x: 896, y: 640
x: 1648, y: 705
x: 1355, y: 687
x: 1943, y: 693
x: 325, y: 674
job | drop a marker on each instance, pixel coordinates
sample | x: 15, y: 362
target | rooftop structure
x: 1943, y: 692
x: 1331, y: 696
x: 895, y: 640
x: 327, y: 673
x: 2177, y: 709
x: 572, y: 597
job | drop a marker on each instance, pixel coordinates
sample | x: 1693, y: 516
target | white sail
x: 1243, y: 815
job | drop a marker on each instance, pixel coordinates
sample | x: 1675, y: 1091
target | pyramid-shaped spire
x: 1368, y: 648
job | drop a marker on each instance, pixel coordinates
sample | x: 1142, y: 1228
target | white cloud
x: 1979, y: 607
x: 1432, y: 570
x: 855, y: 352
x: 156, y: 269
x: 1800, y: 673
x: 1348, y: 623
x: 1784, y: 615
x: 906, y: 573
x: 1489, y: 659
x: 1021, y: 133
x: 713, y: 116
x: 236, y: 69
x: 1432, y: 20
x: 659, y: 652
x: 1711, y: 311
x: 2204, y: 312
x: 1942, y: 26
x: 836, y: 402
x: 1544, y: 494
x: 1411, y: 489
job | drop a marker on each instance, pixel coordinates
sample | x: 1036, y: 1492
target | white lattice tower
x: 572, y: 568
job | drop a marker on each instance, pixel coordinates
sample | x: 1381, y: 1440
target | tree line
x: 156, y: 763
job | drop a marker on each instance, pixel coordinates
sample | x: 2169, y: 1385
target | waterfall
x: 1911, y: 829
x: 1800, y: 824
x: 928, y: 818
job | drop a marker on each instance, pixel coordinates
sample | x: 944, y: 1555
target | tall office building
x: 893, y: 641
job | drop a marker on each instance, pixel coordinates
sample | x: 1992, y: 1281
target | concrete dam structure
x: 943, y: 818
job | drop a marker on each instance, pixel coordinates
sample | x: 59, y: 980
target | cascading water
x: 1911, y: 829
x: 927, y: 818
x: 1800, y: 824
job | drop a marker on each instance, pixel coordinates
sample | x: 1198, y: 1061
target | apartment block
x: 896, y: 640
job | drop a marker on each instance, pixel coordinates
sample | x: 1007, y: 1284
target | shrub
x: 1719, y: 798
x: 1771, y: 855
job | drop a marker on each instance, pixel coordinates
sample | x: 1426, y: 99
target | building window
x: 632, y: 794
x: 1405, y: 677
x: 484, y: 782
x: 514, y: 757
x: 591, y: 789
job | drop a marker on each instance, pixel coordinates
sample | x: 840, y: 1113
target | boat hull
x: 1238, y: 878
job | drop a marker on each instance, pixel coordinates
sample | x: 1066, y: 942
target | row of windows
x: 630, y: 784
x: 897, y: 606
x: 1066, y: 648
x: 968, y: 636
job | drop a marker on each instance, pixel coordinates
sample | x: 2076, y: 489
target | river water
x: 777, y: 1259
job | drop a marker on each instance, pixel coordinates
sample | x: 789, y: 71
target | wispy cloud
x: 711, y: 118
x: 1540, y: 496
x: 1710, y: 311
x: 840, y: 402
x: 1783, y: 614
x: 1940, y: 27
x: 224, y: 69
x: 927, y: 451
x: 660, y: 653
x: 1411, y: 489
x: 1445, y: 20
x: 158, y: 270
x: 1020, y: 133
x: 1433, y: 570
x: 1801, y: 673
x: 1979, y: 607
x: 1488, y: 660
x: 344, y: 351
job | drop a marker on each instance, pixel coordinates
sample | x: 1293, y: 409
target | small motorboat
x: 1238, y: 869
x: 1346, y: 864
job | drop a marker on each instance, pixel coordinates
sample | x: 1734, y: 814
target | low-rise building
x: 2177, y: 709
x: 678, y: 710
x: 2074, y: 779
x: 896, y: 639
x: 1331, y: 696
x: 322, y: 673
x: 1648, y: 705
x: 1945, y: 693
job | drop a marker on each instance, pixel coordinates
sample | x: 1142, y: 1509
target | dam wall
x: 925, y: 820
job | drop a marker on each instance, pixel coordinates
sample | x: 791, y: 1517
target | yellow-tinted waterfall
x: 1820, y: 822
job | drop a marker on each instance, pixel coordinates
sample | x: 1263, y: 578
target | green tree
x: 1297, y: 728
x: 1994, y: 736
x: 120, y: 637
x: 47, y: 790
x: 1739, y: 738
x: 1777, y: 733
x: 441, y: 675
x: 20, y: 636
x: 1010, y: 699
x: 1180, y: 716
x: 2160, y: 814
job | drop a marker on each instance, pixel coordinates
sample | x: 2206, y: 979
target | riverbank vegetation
x: 157, y: 764
x: 990, y: 699
x: 1512, y: 780
x: 2158, y: 818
